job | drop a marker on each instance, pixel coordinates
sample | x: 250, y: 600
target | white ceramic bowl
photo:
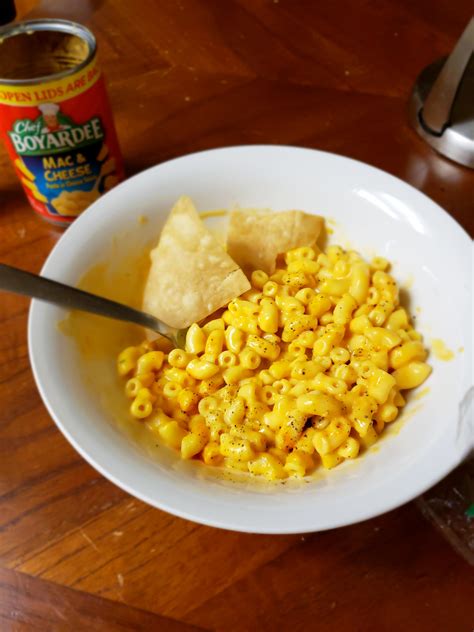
x: 374, y: 212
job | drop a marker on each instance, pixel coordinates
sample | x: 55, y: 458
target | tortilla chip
x: 191, y: 275
x: 255, y: 240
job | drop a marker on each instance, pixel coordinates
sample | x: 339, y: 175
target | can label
x: 61, y: 138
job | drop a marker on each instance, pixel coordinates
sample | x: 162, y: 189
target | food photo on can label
x: 236, y: 301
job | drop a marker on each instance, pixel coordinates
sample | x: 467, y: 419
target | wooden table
x: 77, y: 553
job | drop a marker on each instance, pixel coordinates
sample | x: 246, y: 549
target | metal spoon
x: 35, y: 286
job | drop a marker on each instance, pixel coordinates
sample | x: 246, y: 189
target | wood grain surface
x: 76, y: 552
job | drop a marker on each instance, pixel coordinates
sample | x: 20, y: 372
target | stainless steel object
x: 442, y: 102
x: 35, y: 286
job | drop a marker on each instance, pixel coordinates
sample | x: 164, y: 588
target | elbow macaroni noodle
x: 304, y: 369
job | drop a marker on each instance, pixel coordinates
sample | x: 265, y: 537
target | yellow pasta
x: 19, y: 164
x: 34, y: 190
x: 72, y: 203
x: 303, y: 370
x: 195, y: 339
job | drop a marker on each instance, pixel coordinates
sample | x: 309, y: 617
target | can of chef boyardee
x: 55, y: 117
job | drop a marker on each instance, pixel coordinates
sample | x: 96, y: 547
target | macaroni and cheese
x: 72, y: 203
x: 304, y: 369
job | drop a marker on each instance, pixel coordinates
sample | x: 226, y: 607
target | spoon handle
x: 35, y: 286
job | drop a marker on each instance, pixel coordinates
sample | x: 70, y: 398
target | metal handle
x: 437, y: 107
x: 35, y: 286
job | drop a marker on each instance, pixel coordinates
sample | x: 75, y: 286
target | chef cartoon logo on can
x: 57, y: 124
